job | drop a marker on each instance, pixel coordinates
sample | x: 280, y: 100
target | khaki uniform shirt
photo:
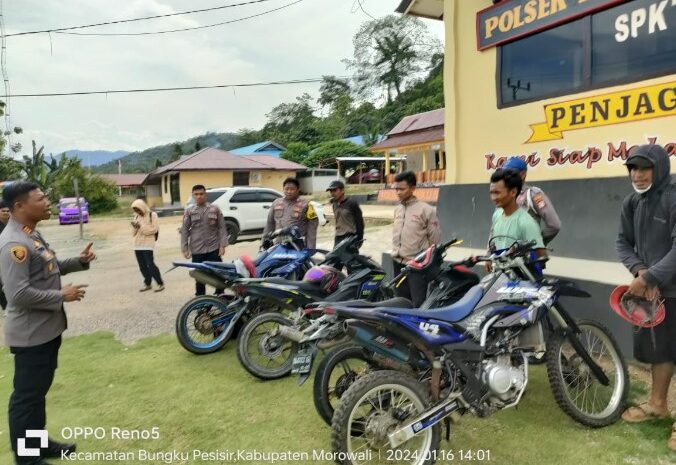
x: 31, y: 277
x: 203, y: 229
x: 538, y: 205
x: 285, y: 213
x: 416, y: 227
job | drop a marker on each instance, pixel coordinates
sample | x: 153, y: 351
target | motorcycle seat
x: 301, y: 285
x: 396, y: 302
x: 452, y: 313
x: 222, y: 266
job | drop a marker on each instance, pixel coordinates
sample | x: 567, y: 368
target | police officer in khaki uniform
x: 416, y: 227
x: 535, y: 202
x: 291, y: 210
x: 31, y: 275
x: 204, y: 235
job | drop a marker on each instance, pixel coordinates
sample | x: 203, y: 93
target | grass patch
x: 210, y: 403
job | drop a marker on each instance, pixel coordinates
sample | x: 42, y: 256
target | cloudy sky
x: 305, y: 40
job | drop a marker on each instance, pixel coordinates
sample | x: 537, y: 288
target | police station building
x: 569, y: 85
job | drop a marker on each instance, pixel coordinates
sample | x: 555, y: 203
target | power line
x: 361, y: 6
x: 121, y: 21
x: 168, y: 89
x: 179, y: 30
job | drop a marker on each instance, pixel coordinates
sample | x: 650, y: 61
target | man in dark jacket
x: 646, y: 245
x: 346, y: 213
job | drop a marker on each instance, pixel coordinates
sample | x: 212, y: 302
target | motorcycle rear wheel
x: 202, y: 323
x: 577, y: 391
x: 263, y: 354
x: 338, y: 370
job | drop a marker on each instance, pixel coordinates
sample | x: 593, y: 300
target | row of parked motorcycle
x: 393, y: 377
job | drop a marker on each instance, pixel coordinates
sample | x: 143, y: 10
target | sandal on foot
x: 644, y: 412
x: 671, y: 443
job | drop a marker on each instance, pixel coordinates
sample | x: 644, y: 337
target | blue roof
x: 262, y: 148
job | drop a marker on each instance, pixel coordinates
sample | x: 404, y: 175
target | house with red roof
x: 172, y: 184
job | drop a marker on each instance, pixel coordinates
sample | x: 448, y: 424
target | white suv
x: 245, y: 209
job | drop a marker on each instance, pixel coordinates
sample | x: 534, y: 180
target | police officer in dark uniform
x: 204, y: 235
x: 31, y: 276
x: 291, y: 210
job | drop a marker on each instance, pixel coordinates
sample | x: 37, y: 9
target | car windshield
x: 71, y: 203
x: 212, y: 196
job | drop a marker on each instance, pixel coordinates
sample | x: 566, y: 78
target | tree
x: 15, y: 148
x: 325, y: 155
x: 176, y: 153
x: 10, y: 169
x: 296, y: 152
x: 158, y: 163
x: 36, y: 168
x: 198, y: 146
x: 99, y: 192
x: 292, y: 122
x: 390, y: 53
x: 332, y: 89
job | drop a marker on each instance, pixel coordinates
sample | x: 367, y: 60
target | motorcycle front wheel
x: 373, y: 407
x: 201, y: 325
x: 577, y: 391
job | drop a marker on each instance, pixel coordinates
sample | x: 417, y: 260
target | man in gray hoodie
x: 646, y: 245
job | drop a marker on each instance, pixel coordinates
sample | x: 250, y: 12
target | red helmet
x: 245, y: 266
x: 637, y: 310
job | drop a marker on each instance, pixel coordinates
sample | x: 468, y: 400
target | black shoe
x: 57, y: 450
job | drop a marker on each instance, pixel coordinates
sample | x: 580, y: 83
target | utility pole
x: 119, y: 171
x: 79, y: 207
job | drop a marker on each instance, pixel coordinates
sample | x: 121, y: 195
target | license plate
x: 302, y: 362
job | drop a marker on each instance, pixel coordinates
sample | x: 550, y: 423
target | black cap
x: 336, y: 185
x: 639, y: 162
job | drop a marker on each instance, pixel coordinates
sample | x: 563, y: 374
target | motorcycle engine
x: 503, y: 380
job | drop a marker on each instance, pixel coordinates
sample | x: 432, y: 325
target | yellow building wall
x: 475, y: 128
x: 273, y: 179
x: 166, y: 191
x: 270, y: 179
x: 208, y: 179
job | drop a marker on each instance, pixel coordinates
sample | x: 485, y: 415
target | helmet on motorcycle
x: 637, y: 310
x: 245, y: 267
x: 328, y: 277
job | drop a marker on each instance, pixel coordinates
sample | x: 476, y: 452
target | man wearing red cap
x: 646, y: 245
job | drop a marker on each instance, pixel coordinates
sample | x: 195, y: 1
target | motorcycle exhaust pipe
x: 328, y: 343
x: 290, y: 333
x: 425, y: 420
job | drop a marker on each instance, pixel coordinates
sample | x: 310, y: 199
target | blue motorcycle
x: 203, y: 323
x: 472, y: 357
